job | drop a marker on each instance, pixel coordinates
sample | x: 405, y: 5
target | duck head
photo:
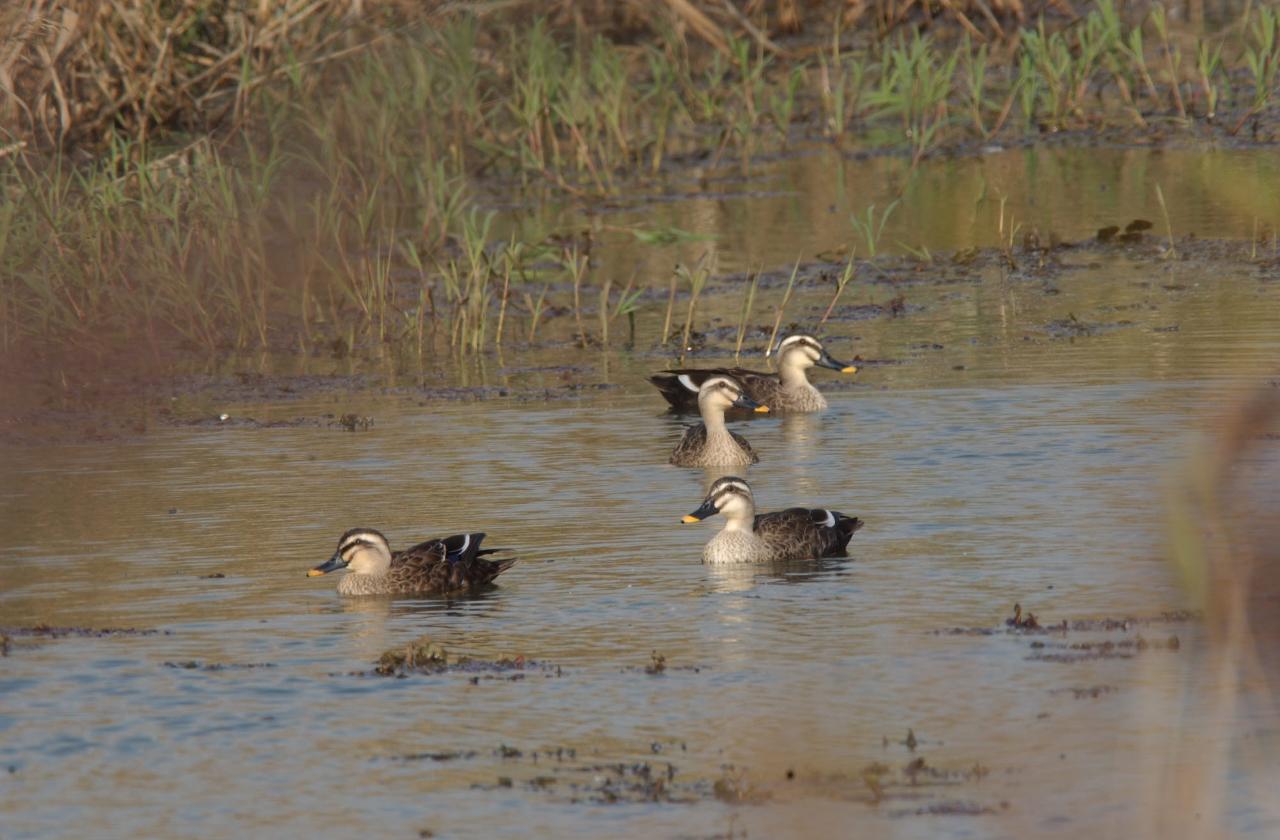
x: 721, y: 393
x: 730, y: 496
x: 803, y: 351
x: 362, y: 550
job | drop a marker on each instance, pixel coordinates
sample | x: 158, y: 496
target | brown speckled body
x: 423, y: 570
x: 721, y: 448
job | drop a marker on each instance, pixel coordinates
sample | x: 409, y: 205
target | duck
x: 787, y: 390
x: 436, y: 567
x: 793, y: 534
x: 709, y: 443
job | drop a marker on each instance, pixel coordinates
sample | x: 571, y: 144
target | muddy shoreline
x: 94, y: 398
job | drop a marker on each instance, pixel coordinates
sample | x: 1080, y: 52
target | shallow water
x: 994, y: 459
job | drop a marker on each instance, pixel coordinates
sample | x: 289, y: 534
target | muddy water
x: 996, y: 455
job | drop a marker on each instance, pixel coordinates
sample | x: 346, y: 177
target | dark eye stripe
x: 726, y: 490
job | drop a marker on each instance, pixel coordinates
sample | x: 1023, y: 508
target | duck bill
x: 708, y: 508
x: 827, y: 361
x: 331, y: 565
x: 743, y: 401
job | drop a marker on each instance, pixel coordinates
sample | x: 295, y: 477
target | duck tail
x: 677, y: 395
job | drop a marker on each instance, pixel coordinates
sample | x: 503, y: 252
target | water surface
x: 995, y: 460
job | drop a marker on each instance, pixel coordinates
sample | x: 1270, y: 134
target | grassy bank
x: 338, y: 202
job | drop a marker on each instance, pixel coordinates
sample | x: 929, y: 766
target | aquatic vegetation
x: 696, y: 278
x: 871, y: 228
x: 841, y: 282
x: 747, y: 301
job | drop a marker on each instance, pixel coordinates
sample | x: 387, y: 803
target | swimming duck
x: 709, y: 443
x: 786, y: 390
x: 434, y: 567
x: 791, y: 534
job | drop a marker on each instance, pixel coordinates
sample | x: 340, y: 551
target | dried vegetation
x: 311, y: 175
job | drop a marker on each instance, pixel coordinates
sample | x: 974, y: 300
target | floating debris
x: 1071, y: 326
x: 1088, y: 651
x: 1093, y: 692
x: 425, y: 656
x: 1020, y: 621
x: 193, y: 665
x: 658, y: 666
x: 1078, y: 625
x: 734, y: 788
x: 954, y: 808
x: 448, y: 755
x: 352, y: 422
x: 46, y: 631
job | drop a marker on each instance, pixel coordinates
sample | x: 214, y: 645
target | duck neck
x: 740, y: 521
x: 792, y: 374
x: 713, y: 419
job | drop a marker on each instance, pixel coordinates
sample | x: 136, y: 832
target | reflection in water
x: 952, y: 203
x: 740, y: 577
x: 712, y: 474
x: 731, y: 577
x: 375, y: 619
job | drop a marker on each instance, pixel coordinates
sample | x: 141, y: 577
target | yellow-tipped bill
x: 689, y: 517
x: 849, y: 369
x: 762, y: 409
x: 331, y: 565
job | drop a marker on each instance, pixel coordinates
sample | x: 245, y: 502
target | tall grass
x: 341, y: 200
